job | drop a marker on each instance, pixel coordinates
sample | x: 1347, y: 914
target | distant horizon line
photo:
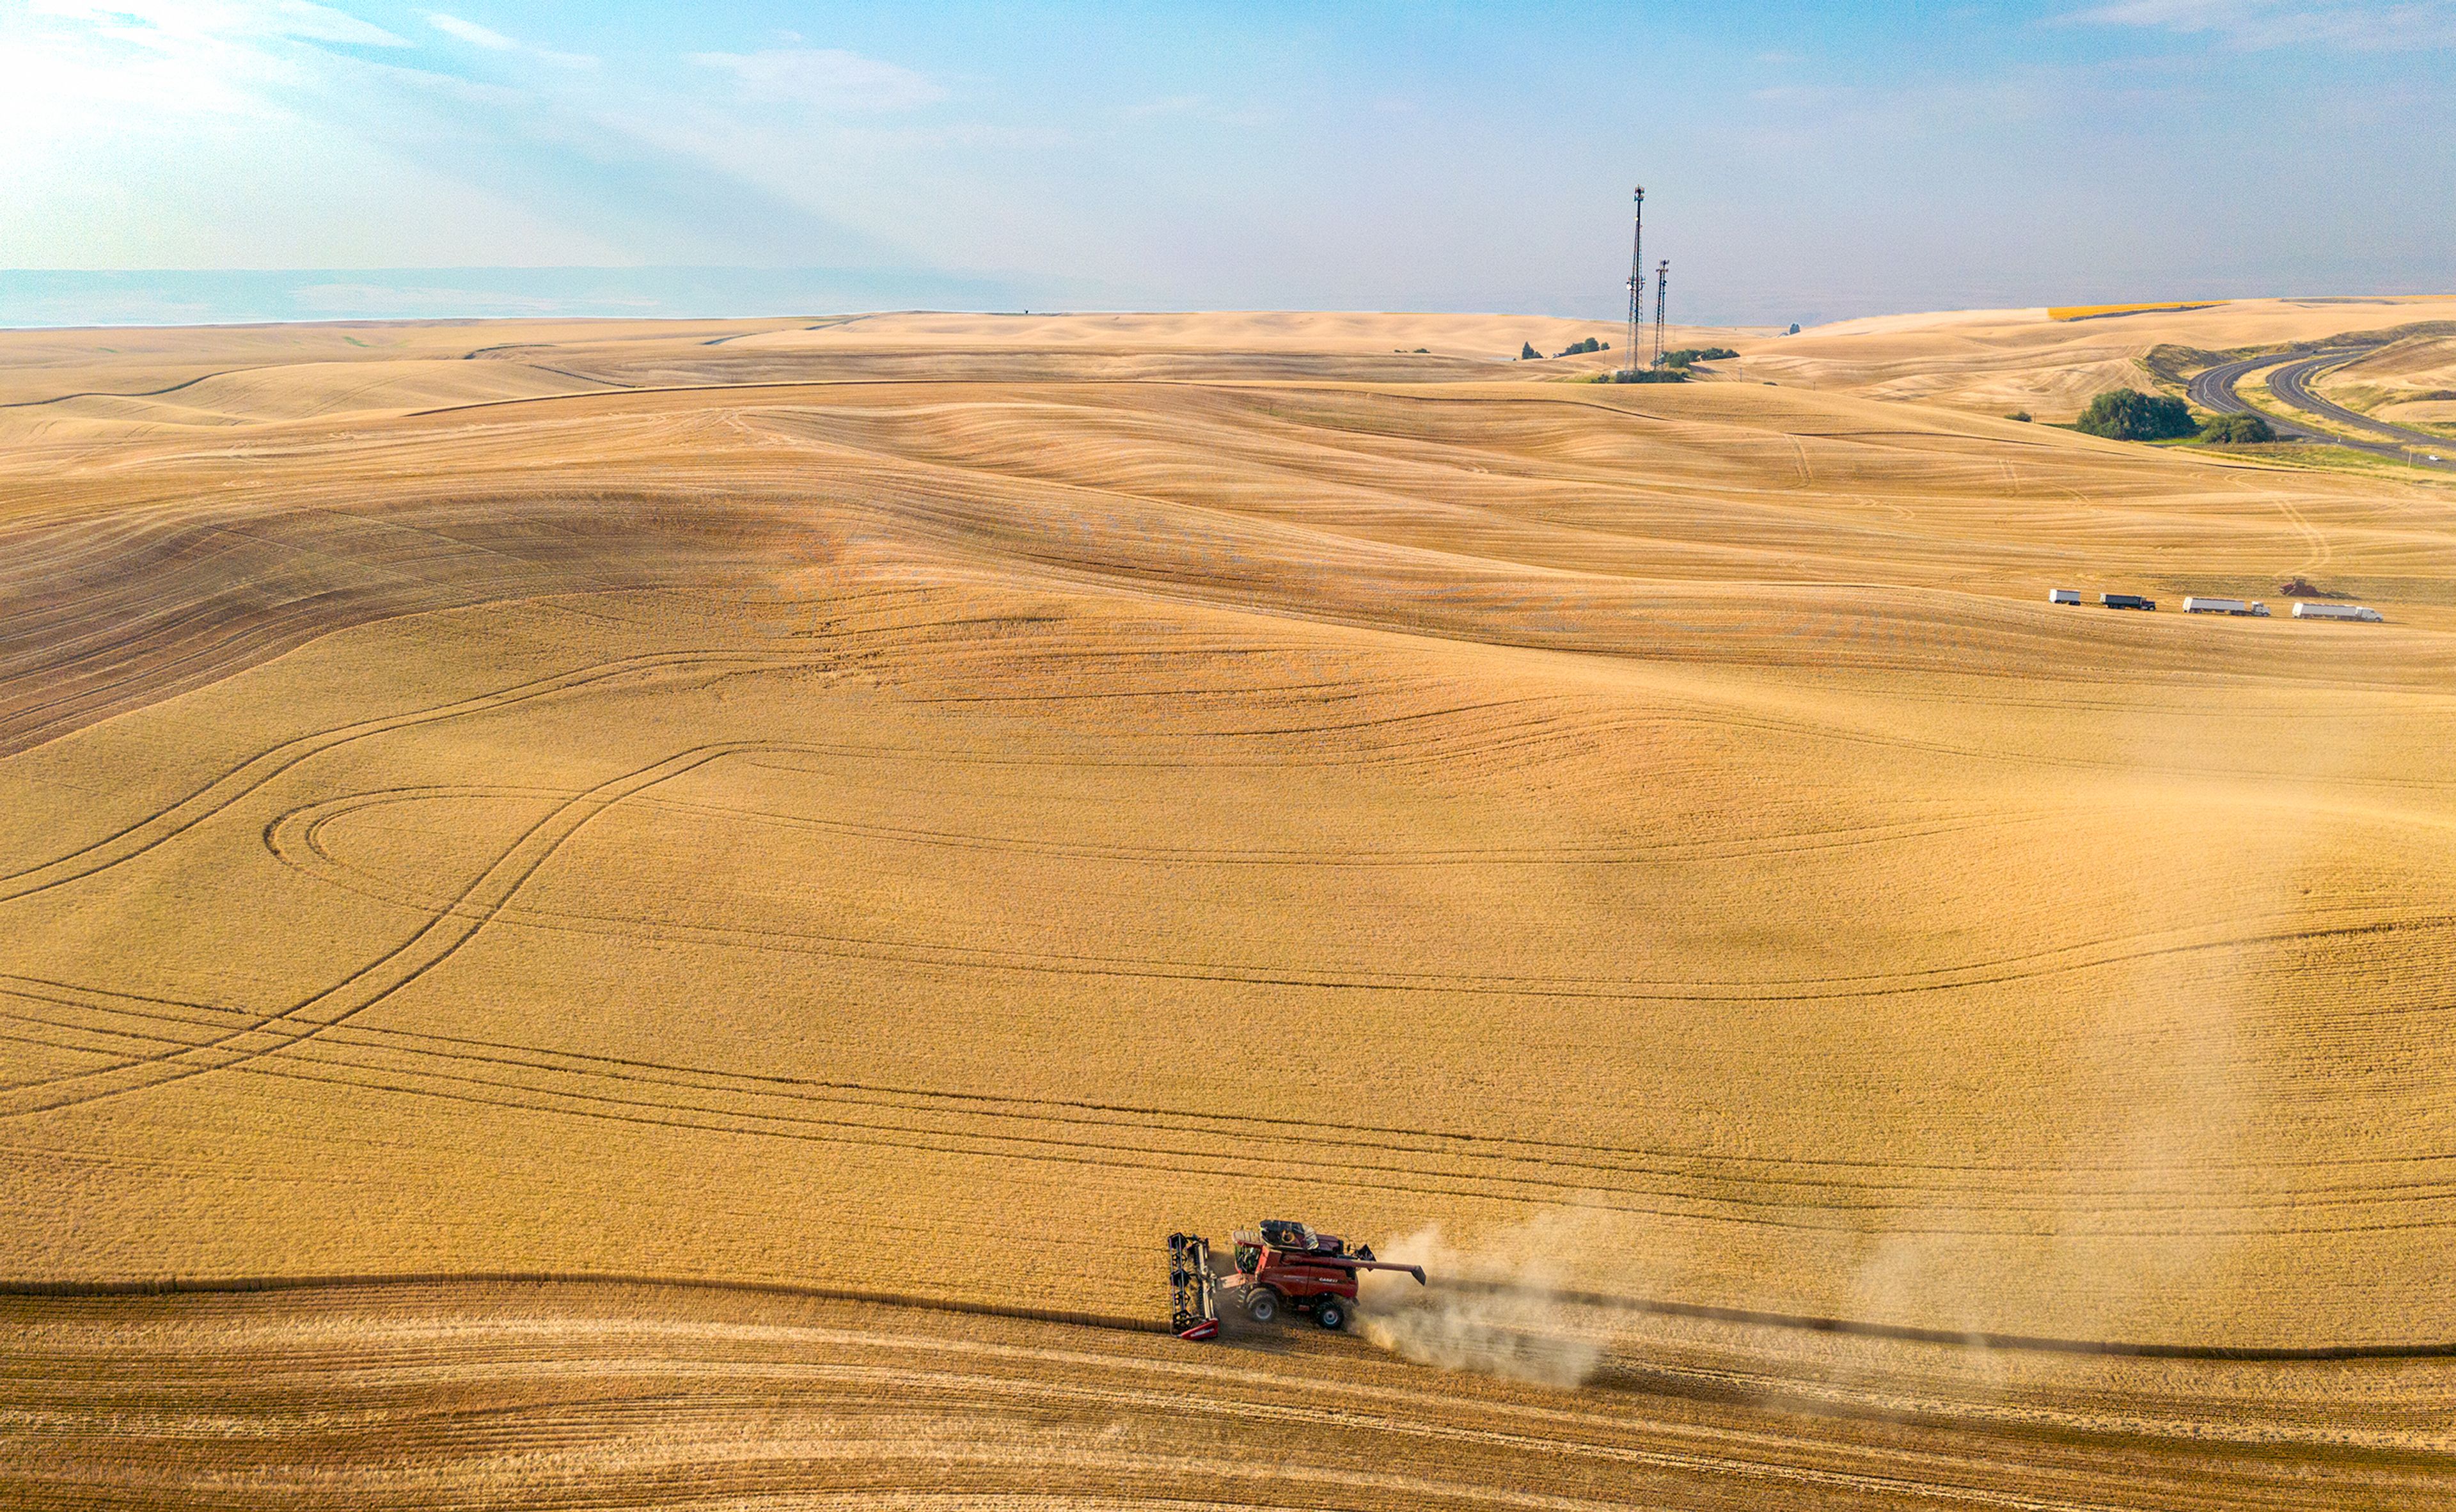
x: 53, y: 299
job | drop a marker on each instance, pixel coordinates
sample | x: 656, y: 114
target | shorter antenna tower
x: 1662, y: 276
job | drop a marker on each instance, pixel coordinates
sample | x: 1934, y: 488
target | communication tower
x: 1662, y: 276
x: 1636, y: 280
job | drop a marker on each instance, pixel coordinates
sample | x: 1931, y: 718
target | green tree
x: 2238, y: 429
x: 1526, y: 352
x: 2128, y: 415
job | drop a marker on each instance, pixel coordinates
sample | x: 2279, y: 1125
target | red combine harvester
x: 1278, y: 1264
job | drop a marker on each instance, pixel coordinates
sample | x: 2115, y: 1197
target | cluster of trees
x: 2238, y: 429
x: 1526, y: 352
x: 1643, y: 375
x: 2128, y: 415
x: 1680, y: 358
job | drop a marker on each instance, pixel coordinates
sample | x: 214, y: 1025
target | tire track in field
x: 429, y: 946
x: 1042, y: 1420
x: 273, y: 1284
x: 252, y: 773
x: 172, y: 1011
x: 613, y: 1390
x: 1795, y: 1195
x: 106, y: 394
x: 295, y: 838
x: 245, y: 777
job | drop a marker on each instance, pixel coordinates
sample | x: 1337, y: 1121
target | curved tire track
x: 429, y: 946
x: 248, y: 776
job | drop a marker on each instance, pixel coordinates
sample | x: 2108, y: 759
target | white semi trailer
x: 2337, y: 611
x: 2063, y: 595
x: 2224, y: 607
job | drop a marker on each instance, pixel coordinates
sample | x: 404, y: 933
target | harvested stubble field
x: 1994, y: 361
x: 636, y: 910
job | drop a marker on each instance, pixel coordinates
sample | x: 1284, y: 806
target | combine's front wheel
x: 1263, y: 1305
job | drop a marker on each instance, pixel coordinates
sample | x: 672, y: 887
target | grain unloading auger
x: 1280, y: 1265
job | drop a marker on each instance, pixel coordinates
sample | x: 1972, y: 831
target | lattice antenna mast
x: 1662, y: 276
x: 1636, y: 280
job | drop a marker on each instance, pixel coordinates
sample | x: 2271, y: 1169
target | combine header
x: 1278, y: 1264
x: 1193, y: 1291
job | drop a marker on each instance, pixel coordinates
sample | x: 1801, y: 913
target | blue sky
x: 1801, y: 162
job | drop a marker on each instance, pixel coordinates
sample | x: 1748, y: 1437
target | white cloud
x: 470, y: 31
x: 203, y: 132
x: 296, y: 18
x: 2261, y: 25
x: 155, y: 22
x: 824, y: 79
x: 494, y: 41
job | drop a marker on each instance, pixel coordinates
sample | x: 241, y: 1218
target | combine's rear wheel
x: 1332, y: 1312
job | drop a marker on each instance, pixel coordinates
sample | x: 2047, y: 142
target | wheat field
x: 2410, y: 382
x: 667, y: 913
x: 2052, y: 363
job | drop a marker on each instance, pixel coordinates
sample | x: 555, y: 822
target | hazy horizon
x: 106, y: 298
x: 221, y: 160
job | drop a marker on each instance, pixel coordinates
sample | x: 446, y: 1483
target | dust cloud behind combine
x: 695, y: 899
x: 1495, y: 1309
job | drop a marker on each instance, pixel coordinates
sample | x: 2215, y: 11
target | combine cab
x: 1279, y: 1266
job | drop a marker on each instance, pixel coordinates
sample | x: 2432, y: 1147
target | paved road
x: 2214, y: 391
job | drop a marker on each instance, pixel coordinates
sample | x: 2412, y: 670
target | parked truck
x: 2127, y: 600
x: 2197, y: 605
x: 2063, y: 595
x: 2336, y: 611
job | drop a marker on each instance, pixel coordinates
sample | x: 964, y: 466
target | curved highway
x: 2214, y: 391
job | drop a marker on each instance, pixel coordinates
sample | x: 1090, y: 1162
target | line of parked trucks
x: 2239, y: 606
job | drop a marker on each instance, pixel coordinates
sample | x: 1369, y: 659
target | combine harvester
x: 1278, y: 1264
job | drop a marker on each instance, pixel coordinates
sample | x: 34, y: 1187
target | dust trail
x: 1496, y: 1308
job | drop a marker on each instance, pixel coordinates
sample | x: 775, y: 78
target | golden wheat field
x: 2410, y: 381
x: 668, y: 914
x: 2052, y: 363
